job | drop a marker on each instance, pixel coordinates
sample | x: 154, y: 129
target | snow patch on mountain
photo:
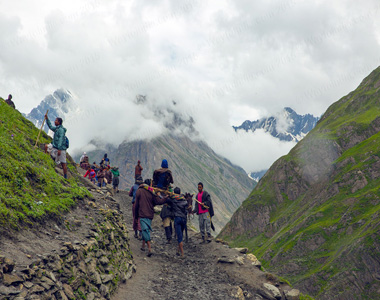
x: 287, y: 125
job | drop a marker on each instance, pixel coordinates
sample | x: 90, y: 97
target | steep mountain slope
x: 286, y: 126
x: 190, y: 162
x: 30, y: 189
x: 315, y: 216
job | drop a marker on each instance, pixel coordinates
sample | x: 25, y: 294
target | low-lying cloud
x: 214, y: 59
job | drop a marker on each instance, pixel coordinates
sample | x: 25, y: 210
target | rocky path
x: 208, y: 271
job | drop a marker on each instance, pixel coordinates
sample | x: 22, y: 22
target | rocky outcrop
x: 91, y: 268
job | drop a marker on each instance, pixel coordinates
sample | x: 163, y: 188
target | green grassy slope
x: 30, y: 188
x: 321, y: 204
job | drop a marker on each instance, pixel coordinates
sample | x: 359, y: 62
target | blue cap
x: 164, y: 164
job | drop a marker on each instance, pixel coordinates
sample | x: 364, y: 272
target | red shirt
x: 201, y: 210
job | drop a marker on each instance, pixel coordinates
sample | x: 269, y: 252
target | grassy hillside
x: 315, y: 216
x: 30, y: 188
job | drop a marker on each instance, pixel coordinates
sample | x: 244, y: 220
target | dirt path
x: 198, y: 276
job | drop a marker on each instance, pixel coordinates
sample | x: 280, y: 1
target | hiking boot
x: 136, y: 236
x: 142, y: 249
x: 203, y: 241
x: 168, y: 242
x: 149, y: 254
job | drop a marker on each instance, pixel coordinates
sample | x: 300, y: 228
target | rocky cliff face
x: 315, y: 215
x: 190, y: 163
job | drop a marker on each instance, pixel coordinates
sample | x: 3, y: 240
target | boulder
x: 293, y: 294
x: 270, y: 291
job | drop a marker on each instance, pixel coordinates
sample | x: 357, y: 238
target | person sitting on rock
x: 162, y: 177
x: 10, y: 102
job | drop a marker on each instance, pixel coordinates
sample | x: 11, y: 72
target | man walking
x: 144, y: 209
x: 179, y: 206
x: 59, y: 143
x: 115, y: 180
x: 138, y: 170
x: 205, y: 211
x: 132, y: 193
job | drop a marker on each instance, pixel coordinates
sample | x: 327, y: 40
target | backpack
x: 163, y: 180
x: 67, y: 142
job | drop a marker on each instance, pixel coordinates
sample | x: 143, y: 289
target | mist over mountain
x: 286, y: 125
x: 190, y: 162
x: 314, y: 216
x: 59, y: 104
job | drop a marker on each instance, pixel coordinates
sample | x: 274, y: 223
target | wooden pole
x: 38, y: 137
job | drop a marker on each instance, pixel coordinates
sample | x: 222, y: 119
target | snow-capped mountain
x: 286, y: 126
x: 59, y: 104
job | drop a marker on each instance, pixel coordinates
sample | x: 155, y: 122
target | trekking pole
x: 38, y: 137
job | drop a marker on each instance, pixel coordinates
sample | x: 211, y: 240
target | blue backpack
x: 163, y: 180
x: 67, y: 142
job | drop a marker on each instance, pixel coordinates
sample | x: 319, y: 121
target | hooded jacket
x: 179, y: 206
x: 59, y: 141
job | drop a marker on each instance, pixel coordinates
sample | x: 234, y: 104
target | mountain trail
x: 208, y: 271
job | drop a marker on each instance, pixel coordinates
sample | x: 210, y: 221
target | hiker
x: 115, y: 180
x: 138, y: 169
x: 59, y: 143
x: 91, y: 174
x: 167, y: 217
x: 132, y: 193
x: 108, y: 175
x: 204, y: 214
x: 83, y: 162
x: 10, y: 102
x: 100, y: 175
x: 162, y: 177
x: 146, y: 199
x: 105, y: 161
x: 179, y: 206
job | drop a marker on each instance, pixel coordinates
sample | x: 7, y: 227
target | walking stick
x: 38, y: 137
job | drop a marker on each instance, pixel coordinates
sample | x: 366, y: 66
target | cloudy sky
x: 222, y: 62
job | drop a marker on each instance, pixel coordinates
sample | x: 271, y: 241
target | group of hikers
x: 101, y: 174
x: 145, y: 194
x: 176, y: 207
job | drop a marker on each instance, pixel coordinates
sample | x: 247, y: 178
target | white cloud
x: 222, y: 61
